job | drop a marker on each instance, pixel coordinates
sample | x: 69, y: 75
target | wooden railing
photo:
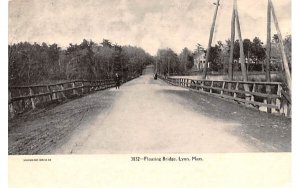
x: 258, y: 94
x: 22, y: 98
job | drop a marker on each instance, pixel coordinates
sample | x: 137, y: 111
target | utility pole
x: 283, y: 55
x: 230, y: 72
x: 268, y: 76
x: 210, y: 39
x: 242, y: 55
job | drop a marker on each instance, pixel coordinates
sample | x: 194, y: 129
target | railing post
x: 10, y: 106
x: 223, y: 86
x: 74, y: 90
x: 278, y: 100
x: 82, y: 89
x: 49, y: 91
x: 54, y: 96
x: 98, y: 85
x: 236, y: 88
x: 31, y: 98
x: 197, y: 87
x: 211, y: 85
x: 268, y: 91
x: 253, y: 90
x: 62, y: 91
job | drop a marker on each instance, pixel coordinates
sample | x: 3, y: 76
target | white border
x: 4, y: 93
x: 295, y: 94
x: 4, y: 77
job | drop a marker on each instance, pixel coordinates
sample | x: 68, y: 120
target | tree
x: 186, y: 60
x: 257, y: 50
x: 168, y: 61
x: 46, y: 63
x: 247, y: 47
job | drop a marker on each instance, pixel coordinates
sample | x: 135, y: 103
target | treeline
x: 169, y: 62
x: 254, y: 50
x: 35, y: 63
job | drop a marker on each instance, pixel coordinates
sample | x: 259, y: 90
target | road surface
x: 148, y: 116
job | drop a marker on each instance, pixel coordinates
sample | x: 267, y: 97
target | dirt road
x: 149, y: 116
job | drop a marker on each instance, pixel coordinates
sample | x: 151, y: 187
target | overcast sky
x: 149, y: 24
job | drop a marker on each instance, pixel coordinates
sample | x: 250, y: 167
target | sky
x: 151, y: 25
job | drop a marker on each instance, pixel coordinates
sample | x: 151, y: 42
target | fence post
x: 54, y: 96
x: 31, y: 98
x: 211, y: 85
x: 253, y: 90
x: 223, y: 86
x: 49, y: 91
x: 62, y: 91
x: 278, y: 100
x: 74, y: 90
x: 268, y: 91
x: 197, y: 85
x: 82, y: 89
x: 236, y: 88
x: 10, y: 106
x: 98, y: 85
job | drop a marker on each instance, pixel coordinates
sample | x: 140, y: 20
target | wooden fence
x: 22, y: 98
x: 270, y: 95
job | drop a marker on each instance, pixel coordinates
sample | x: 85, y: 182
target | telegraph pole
x: 242, y: 55
x: 283, y: 55
x: 268, y: 76
x: 210, y: 39
x: 230, y: 72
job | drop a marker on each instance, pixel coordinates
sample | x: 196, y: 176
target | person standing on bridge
x: 117, y: 80
x: 155, y: 76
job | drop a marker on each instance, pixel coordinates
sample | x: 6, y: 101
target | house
x: 199, y: 60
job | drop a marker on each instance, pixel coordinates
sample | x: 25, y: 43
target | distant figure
x: 117, y: 80
x: 155, y: 76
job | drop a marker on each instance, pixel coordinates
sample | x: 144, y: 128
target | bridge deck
x: 148, y: 116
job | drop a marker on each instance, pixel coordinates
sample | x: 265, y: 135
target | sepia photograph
x: 133, y: 77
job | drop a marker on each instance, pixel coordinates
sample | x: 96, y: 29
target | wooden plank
x: 240, y: 91
x: 45, y: 85
x: 242, y: 82
x: 287, y: 96
x: 238, y: 99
